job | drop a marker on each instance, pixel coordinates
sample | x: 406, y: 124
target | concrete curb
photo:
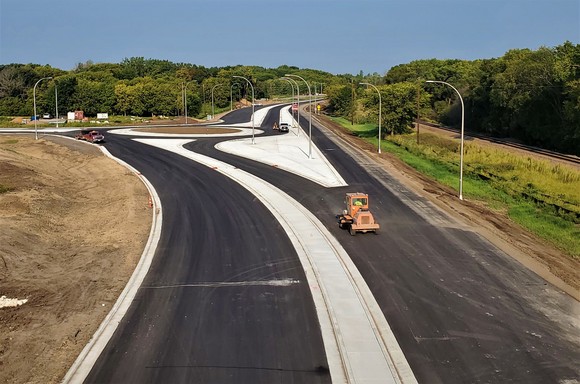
x: 89, y: 355
x: 358, y: 340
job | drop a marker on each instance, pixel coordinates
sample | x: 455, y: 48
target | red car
x: 90, y: 136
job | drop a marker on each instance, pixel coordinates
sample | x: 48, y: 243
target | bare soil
x: 74, y: 224
x: 72, y: 227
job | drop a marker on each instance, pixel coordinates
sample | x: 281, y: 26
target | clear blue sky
x: 337, y: 36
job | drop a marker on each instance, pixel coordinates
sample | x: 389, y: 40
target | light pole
x: 310, y: 116
x: 462, y: 133
x: 253, y: 126
x: 291, y: 86
x: 297, y: 100
x: 56, y: 103
x: 34, y: 100
x: 380, y: 112
x: 212, y: 107
x: 185, y: 98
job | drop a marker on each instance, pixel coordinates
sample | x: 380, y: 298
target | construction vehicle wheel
x: 352, y: 231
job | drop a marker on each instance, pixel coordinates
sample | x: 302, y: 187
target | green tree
x: 399, y: 106
x: 123, y: 98
x: 95, y: 93
x: 340, y: 100
x: 530, y: 90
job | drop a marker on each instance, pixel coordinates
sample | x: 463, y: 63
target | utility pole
x: 352, y: 102
x: 417, y: 120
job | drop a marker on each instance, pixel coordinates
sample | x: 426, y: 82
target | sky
x: 336, y: 36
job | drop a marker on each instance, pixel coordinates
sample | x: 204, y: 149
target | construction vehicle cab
x: 357, y: 217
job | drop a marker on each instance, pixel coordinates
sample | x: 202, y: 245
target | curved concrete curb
x: 89, y: 355
x: 133, y: 132
x: 359, y: 343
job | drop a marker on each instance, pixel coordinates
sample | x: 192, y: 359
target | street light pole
x: 380, y: 112
x: 34, y: 101
x: 183, y: 98
x: 184, y: 95
x: 56, y: 102
x: 253, y: 124
x: 297, y: 100
x: 462, y: 134
x: 185, y: 101
x: 291, y: 86
x: 310, y: 116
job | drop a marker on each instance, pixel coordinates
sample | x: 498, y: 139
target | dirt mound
x: 73, y: 226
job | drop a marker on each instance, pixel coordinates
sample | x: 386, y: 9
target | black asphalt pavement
x: 462, y: 310
x: 212, y: 308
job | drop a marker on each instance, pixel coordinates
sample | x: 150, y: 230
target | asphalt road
x: 462, y: 311
x: 225, y: 300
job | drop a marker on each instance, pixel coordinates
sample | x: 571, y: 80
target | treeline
x: 529, y: 95
x: 140, y: 87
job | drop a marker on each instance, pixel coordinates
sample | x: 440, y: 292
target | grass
x: 363, y: 130
x: 113, y: 120
x: 540, y: 196
x: 4, y: 189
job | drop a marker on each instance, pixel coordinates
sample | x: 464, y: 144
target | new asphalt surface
x: 226, y: 301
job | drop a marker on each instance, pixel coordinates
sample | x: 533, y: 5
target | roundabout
x: 196, y: 131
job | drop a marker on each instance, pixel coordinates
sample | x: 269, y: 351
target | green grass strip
x: 541, y: 197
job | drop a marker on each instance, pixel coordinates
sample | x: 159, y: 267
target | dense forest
x: 529, y: 95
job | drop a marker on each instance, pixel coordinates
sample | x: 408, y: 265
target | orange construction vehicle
x: 357, y: 217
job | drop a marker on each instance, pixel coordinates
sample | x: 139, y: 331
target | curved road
x: 226, y: 298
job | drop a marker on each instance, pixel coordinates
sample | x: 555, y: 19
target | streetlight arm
x: 443, y: 82
x: 462, y: 134
x: 297, y: 101
x: 34, y: 101
x: 380, y: 111
x: 253, y: 104
x: 310, y: 114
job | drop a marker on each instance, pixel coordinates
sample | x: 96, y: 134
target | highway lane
x: 461, y: 309
x: 225, y: 299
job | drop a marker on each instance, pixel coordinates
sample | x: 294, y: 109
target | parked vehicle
x: 91, y: 136
x: 284, y: 127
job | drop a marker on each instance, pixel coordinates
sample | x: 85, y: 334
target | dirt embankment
x: 72, y: 228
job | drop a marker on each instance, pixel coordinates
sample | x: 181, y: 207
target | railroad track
x: 540, y: 151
